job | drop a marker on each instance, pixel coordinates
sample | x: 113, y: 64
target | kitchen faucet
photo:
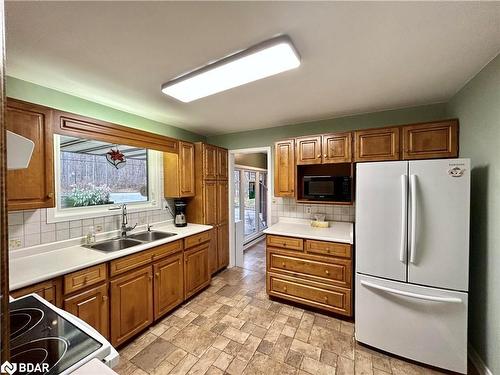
x: 124, y: 227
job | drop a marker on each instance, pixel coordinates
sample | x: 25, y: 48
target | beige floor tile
x: 345, y: 366
x: 281, y: 348
x: 235, y: 335
x: 236, y: 367
x: 248, y: 348
x: 306, y: 349
x: 214, y: 371
x: 265, y: 347
x: 223, y: 361
x: 176, y: 356
x: 315, y: 367
x: 333, y: 341
x: 294, y: 358
x: 220, y: 342
x: 137, y: 345
x: 204, y: 363
x: 163, y: 368
x: 194, y: 340
x: 289, y: 331
x: 184, y: 365
x: 153, y: 354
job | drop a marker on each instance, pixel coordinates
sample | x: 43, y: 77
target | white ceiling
x: 356, y: 57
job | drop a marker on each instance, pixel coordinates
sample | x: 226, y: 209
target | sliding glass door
x: 250, y: 201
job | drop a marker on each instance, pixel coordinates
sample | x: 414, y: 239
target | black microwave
x: 327, y: 188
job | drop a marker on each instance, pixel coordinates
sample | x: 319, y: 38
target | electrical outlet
x: 308, y: 210
x: 98, y: 228
x: 15, y: 244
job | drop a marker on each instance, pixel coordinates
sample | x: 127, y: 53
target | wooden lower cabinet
x: 168, y: 284
x: 196, y: 273
x: 223, y: 245
x: 213, y: 255
x: 131, y: 304
x: 92, y: 306
x: 50, y: 290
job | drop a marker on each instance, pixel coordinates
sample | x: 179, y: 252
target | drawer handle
x: 104, y: 298
x: 325, y: 298
x: 157, y: 274
x: 285, y: 289
x: 284, y: 244
x: 85, y: 279
x: 327, y: 272
x: 283, y: 264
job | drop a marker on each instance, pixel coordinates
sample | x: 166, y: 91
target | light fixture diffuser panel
x: 263, y: 60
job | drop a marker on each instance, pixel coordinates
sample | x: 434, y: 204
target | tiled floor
x: 233, y: 328
x: 254, y: 258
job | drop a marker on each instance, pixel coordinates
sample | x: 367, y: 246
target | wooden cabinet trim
x: 84, y: 278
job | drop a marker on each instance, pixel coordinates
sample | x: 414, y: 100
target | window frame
x: 155, y: 192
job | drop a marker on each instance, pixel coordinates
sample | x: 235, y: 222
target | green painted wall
x: 33, y: 93
x: 477, y: 106
x: 257, y: 160
x: 266, y: 137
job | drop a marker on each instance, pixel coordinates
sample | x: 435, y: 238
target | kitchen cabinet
x: 284, y: 168
x: 131, y: 304
x: 308, y: 150
x: 222, y: 202
x: 33, y: 187
x: 92, y: 306
x: 210, y: 207
x: 51, y: 290
x: 196, y: 272
x: 222, y: 166
x: 213, y: 256
x: 430, y: 140
x: 336, y: 148
x: 168, y: 284
x: 311, y: 272
x: 179, y: 172
x: 210, y: 167
x: 376, y: 144
x: 223, y: 245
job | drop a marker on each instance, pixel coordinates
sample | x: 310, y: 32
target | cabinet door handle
x: 325, y: 298
x: 285, y: 289
x: 157, y: 274
x: 104, y: 298
x: 325, y: 156
x: 150, y: 277
x: 283, y: 264
x: 327, y: 272
x: 319, y: 155
x: 50, y: 195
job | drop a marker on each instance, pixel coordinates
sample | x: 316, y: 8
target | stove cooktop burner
x: 39, y: 335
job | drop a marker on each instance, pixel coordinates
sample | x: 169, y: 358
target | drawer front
x: 329, y: 248
x: 289, y: 243
x: 130, y: 262
x: 166, y: 250
x: 314, y: 294
x: 196, y: 239
x: 83, y: 278
x: 338, y: 273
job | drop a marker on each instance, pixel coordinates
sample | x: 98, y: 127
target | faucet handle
x: 149, y: 227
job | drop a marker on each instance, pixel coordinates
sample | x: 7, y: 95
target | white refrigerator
x: 412, y: 259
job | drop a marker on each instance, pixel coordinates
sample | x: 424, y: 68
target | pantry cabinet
x: 284, y: 168
x: 179, y: 172
x: 131, y: 304
x: 33, y: 187
x: 376, y: 144
x: 168, y: 284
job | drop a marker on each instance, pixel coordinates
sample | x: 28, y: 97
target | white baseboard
x: 477, y: 361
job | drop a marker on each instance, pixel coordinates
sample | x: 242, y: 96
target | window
x: 92, y: 175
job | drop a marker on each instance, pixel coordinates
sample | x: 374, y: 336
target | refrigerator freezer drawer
x: 424, y: 324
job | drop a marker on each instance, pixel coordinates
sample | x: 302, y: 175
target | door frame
x: 232, y: 240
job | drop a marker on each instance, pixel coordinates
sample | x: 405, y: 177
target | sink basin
x: 116, y: 244
x: 151, y: 236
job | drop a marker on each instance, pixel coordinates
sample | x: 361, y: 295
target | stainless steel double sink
x: 129, y: 241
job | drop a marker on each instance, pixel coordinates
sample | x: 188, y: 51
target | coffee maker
x: 180, y: 213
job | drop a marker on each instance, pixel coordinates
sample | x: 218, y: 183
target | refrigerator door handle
x: 410, y: 294
x: 404, y: 214
x: 413, y: 235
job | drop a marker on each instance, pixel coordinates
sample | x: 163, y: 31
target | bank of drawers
x: 316, y: 273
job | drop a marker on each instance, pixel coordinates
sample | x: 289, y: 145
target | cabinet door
x: 222, y: 202
x: 376, y: 144
x: 337, y: 148
x: 196, y: 274
x: 210, y: 202
x: 223, y: 245
x: 168, y: 285
x: 92, y: 306
x: 222, y: 169
x: 32, y: 187
x: 308, y: 150
x: 284, y: 168
x: 131, y: 304
x: 186, y: 169
x: 430, y: 141
x: 209, y: 162
x: 213, y: 258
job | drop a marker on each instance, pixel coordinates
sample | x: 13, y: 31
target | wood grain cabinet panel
x: 209, y: 162
x: 33, y: 187
x: 179, y: 171
x: 284, y: 168
x: 84, y: 278
x: 289, y: 243
x: 222, y: 202
x: 92, y: 306
x: 196, y: 274
x: 131, y: 304
x: 336, y: 148
x: 210, y: 206
x: 168, y: 284
x: 196, y: 239
x: 223, y: 245
x: 308, y: 150
x: 51, y: 290
x: 222, y: 166
x: 325, y: 248
x: 432, y: 140
x: 213, y: 256
x: 376, y: 144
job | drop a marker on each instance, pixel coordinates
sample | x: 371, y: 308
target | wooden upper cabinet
x: 432, y: 140
x: 308, y: 150
x: 284, y: 168
x: 168, y: 284
x: 178, y: 170
x: 376, y: 144
x: 336, y: 148
x: 222, y: 167
x: 209, y: 162
x: 92, y: 306
x: 33, y: 187
x: 222, y: 202
x: 196, y: 271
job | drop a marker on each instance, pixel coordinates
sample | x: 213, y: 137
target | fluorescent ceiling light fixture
x: 265, y: 59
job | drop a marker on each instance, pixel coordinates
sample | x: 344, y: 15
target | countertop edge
x: 309, y: 237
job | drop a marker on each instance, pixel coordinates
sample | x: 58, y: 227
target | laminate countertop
x: 39, y: 263
x: 338, y: 231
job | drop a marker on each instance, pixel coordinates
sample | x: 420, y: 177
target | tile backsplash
x: 288, y: 207
x: 30, y: 227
